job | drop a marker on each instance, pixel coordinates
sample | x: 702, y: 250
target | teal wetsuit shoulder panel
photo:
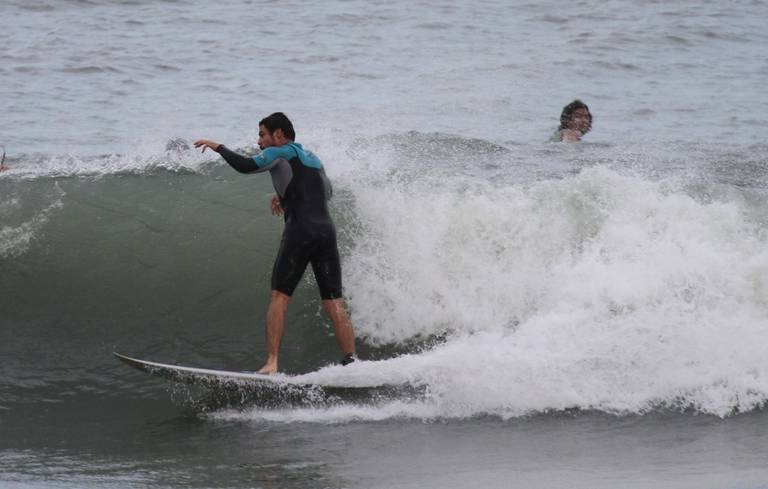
x: 307, y: 158
x: 269, y: 156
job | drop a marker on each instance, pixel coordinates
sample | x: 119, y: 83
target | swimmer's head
x: 275, y: 130
x: 576, y: 116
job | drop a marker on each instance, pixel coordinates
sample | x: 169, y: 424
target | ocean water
x: 530, y: 314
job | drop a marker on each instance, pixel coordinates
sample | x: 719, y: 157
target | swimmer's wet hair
x: 276, y: 121
x: 568, y: 111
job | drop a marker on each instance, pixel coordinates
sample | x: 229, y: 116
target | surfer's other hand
x: 275, y: 207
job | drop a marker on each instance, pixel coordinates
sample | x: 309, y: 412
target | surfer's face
x: 580, y: 120
x: 267, y: 139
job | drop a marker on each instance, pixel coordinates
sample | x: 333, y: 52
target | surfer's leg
x: 291, y: 260
x: 342, y: 325
x: 290, y: 263
x: 278, y: 305
x: 327, y: 268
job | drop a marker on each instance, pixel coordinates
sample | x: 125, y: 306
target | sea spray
x: 594, y: 291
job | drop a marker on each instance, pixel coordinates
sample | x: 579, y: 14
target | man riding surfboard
x: 309, y: 235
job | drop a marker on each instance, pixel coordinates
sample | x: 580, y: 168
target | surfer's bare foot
x: 268, y: 368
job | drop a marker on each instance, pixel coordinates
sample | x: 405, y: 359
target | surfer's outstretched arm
x: 240, y: 163
x: 265, y: 161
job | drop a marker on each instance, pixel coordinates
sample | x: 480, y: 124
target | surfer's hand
x: 207, y: 143
x: 275, y: 206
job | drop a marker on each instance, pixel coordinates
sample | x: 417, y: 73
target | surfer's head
x: 275, y: 130
x: 576, y: 117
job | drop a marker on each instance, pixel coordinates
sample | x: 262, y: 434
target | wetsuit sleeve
x: 241, y: 163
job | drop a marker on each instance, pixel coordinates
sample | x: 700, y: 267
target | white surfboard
x: 274, y: 390
x: 194, y: 375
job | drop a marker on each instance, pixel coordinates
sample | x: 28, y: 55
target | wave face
x: 618, y: 278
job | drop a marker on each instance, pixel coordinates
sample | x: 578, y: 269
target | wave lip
x: 171, y: 155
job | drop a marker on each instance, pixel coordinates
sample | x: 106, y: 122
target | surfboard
x: 232, y: 388
x: 192, y: 375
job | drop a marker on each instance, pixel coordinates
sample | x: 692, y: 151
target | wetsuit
x: 309, y: 235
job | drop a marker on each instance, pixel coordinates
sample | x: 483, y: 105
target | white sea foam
x: 596, y: 291
x: 150, y: 154
x: 341, y: 413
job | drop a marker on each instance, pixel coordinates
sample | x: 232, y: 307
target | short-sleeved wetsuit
x: 309, y: 235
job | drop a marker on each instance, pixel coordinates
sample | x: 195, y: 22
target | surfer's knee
x: 279, y: 300
x: 335, y: 307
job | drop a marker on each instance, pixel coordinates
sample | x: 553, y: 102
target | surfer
x: 2, y: 161
x: 309, y: 235
x: 575, y: 122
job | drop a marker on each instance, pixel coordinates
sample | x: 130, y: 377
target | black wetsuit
x: 309, y: 235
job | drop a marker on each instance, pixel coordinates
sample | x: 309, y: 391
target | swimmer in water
x: 575, y: 122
